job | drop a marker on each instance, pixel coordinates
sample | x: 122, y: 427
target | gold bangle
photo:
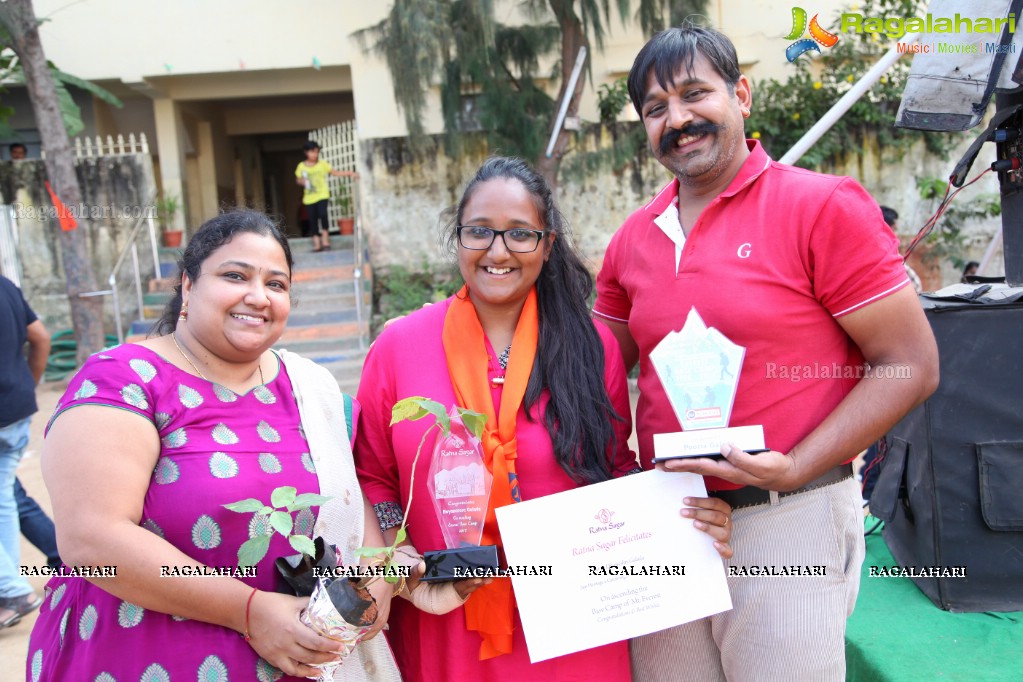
x: 401, y: 586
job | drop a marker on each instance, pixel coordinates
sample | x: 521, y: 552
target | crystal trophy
x: 459, y: 484
x: 699, y: 370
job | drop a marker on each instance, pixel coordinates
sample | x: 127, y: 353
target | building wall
x: 402, y: 198
x: 201, y: 50
x: 205, y: 80
x: 116, y: 190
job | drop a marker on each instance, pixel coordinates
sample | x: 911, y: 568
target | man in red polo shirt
x: 799, y: 268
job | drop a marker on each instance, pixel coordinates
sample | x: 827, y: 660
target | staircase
x: 323, y: 325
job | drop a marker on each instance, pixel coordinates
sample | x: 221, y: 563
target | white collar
x: 672, y: 227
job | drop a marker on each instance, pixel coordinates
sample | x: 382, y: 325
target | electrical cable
x: 942, y: 207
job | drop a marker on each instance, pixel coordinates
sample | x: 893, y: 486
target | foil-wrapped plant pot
x: 340, y: 608
x: 295, y: 572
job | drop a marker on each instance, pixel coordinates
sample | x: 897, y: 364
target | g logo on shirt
x: 744, y: 250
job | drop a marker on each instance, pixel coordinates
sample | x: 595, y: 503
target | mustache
x: 671, y: 137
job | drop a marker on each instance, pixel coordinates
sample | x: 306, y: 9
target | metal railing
x: 131, y: 249
x: 361, y: 319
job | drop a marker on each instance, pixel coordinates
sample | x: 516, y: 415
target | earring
x: 183, y: 315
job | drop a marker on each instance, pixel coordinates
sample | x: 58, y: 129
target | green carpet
x: 896, y: 634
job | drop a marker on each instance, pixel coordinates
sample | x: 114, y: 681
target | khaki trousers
x: 789, y: 628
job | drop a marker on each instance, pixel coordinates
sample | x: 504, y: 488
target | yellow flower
x: 795, y: 116
x: 755, y: 135
x: 817, y: 85
x: 884, y: 79
x: 849, y: 78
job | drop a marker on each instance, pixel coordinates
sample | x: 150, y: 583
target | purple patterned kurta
x: 217, y: 447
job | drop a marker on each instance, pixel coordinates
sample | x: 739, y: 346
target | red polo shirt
x: 772, y: 262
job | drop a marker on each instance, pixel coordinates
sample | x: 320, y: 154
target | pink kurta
x: 408, y: 360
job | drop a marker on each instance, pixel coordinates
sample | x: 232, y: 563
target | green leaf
x: 253, y: 550
x: 69, y: 111
x: 249, y: 505
x: 283, y: 496
x: 391, y: 579
x: 438, y: 411
x: 282, y: 522
x: 301, y: 543
x: 306, y: 500
x: 407, y: 409
x: 265, y: 510
x: 371, y: 551
x: 474, y: 421
x: 88, y: 86
x: 400, y: 537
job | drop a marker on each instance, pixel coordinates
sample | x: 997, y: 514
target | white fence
x: 90, y: 147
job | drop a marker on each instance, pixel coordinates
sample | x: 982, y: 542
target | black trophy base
x: 461, y: 563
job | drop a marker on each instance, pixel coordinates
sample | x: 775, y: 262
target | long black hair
x: 213, y: 234
x: 569, y: 362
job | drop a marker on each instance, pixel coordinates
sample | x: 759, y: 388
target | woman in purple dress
x: 206, y: 416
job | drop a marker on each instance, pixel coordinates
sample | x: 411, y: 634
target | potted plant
x: 166, y: 208
x: 340, y: 605
x: 413, y: 409
x: 346, y: 223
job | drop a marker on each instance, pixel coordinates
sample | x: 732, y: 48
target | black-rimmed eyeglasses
x: 516, y: 240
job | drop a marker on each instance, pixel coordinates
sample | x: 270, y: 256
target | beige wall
x: 192, y: 50
x: 757, y: 27
x: 131, y: 40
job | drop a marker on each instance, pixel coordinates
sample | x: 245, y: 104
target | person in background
x: 18, y: 151
x: 517, y: 344
x: 36, y: 526
x: 311, y: 175
x: 969, y: 270
x: 304, y: 225
x: 891, y: 218
x: 149, y: 443
x: 19, y: 376
x: 732, y: 237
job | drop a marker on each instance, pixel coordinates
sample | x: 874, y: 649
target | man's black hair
x: 674, y: 48
x: 890, y: 215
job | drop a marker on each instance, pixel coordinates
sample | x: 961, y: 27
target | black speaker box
x: 950, y: 488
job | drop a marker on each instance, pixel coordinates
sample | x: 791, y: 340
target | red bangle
x: 248, y: 604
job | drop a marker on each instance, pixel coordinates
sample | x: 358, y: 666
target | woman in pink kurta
x: 148, y: 445
x: 516, y: 261
x: 407, y: 360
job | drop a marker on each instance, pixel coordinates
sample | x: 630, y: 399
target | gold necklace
x: 174, y: 338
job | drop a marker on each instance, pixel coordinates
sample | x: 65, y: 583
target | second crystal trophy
x: 699, y: 369
x: 459, y: 484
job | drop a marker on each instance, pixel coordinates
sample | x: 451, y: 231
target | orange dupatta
x: 491, y: 609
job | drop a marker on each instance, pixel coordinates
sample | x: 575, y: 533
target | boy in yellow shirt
x: 312, y: 175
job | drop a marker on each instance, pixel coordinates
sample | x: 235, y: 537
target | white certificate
x: 610, y: 561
